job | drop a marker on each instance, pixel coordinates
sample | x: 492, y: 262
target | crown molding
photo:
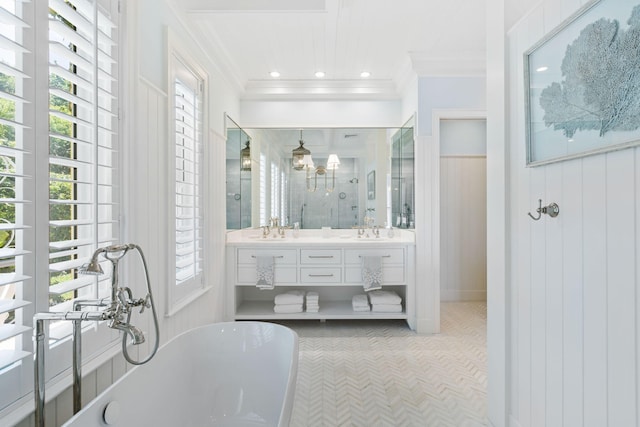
x: 320, y: 89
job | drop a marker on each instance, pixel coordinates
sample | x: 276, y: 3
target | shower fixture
x: 354, y: 180
x: 116, y: 310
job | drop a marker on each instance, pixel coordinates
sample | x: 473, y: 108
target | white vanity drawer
x: 389, y: 255
x: 281, y: 275
x: 390, y: 275
x: 280, y: 256
x: 320, y: 256
x: 321, y: 275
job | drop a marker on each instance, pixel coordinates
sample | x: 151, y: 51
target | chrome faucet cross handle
x: 145, y: 303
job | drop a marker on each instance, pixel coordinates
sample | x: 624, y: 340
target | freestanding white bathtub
x: 222, y: 374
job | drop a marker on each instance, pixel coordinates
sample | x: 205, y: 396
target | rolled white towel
x: 387, y: 308
x: 290, y: 297
x: 287, y: 308
x: 384, y: 297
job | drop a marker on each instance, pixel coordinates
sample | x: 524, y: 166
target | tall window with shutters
x: 187, y: 183
x: 54, y: 213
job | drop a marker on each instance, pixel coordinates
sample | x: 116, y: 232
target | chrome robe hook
x: 552, y: 210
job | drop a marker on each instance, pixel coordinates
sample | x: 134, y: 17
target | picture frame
x: 582, y: 84
x: 371, y: 185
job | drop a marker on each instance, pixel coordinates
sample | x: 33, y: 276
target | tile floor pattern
x: 381, y: 374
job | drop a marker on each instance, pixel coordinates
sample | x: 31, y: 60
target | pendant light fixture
x: 245, y: 158
x: 297, y: 155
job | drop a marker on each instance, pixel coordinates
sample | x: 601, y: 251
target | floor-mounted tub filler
x: 222, y: 374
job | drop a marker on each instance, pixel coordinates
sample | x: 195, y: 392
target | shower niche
x: 349, y: 176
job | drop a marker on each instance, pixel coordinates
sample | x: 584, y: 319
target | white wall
x: 463, y: 210
x: 436, y: 97
x: 574, y: 304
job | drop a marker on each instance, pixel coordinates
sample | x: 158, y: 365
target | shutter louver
x: 188, y: 185
x: 83, y: 119
x: 14, y: 153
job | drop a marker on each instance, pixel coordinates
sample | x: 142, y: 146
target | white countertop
x: 318, y: 237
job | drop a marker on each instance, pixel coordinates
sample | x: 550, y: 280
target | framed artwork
x: 582, y: 84
x: 371, y: 185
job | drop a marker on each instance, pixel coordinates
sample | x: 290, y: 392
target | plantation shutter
x: 16, y: 278
x: 83, y: 143
x: 188, y: 179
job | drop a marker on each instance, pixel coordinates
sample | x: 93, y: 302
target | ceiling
x: 393, y: 40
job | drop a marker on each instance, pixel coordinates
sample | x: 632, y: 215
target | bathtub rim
x: 285, y: 411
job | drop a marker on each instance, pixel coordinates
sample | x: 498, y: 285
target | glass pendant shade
x: 298, y: 154
x: 245, y: 158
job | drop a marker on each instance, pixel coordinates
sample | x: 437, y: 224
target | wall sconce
x: 332, y: 165
x: 298, y: 154
x: 245, y: 158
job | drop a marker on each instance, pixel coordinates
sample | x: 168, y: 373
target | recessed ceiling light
x: 365, y: 74
x: 541, y: 69
x: 274, y: 74
x: 319, y: 74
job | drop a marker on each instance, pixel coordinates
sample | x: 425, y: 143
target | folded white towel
x: 287, y: 308
x: 387, y: 308
x: 371, y: 272
x: 264, y: 271
x: 362, y: 308
x: 384, y: 297
x: 312, y: 296
x: 360, y: 301
x: 313, y: 310
x: 290, y: 297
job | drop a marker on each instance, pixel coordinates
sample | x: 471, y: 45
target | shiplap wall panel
x: 463, y: 221
x: 572, y: 296
x: 521, y: 249
x: 553, y: 283
x: 538, y: 302
x: 637, y: 263
x: 595, y: 291
x: 575, y: 308
x: 620, y: 266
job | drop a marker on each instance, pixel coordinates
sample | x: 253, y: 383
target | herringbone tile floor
x: 382, y: 374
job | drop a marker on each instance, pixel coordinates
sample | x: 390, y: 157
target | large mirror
x: 238, y: 177
x: 320, y: 177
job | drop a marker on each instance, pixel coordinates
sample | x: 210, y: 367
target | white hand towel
x: 387, y: 308
x: 371, y: 272
x: 290, y: 297
x: 312, y: 296
x: 358, y: 308
x: 384, y: 297
x: 360, y: 301
x: 287, y: 308
x: 264, y: 272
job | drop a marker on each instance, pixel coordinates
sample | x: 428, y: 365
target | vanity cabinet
x: 330, y: 267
